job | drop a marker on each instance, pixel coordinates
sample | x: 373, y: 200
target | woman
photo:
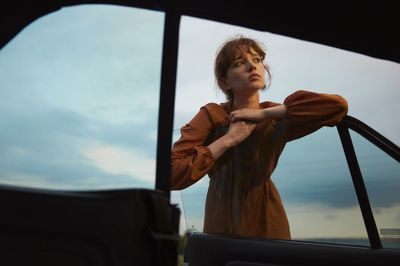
x: 238, y: 144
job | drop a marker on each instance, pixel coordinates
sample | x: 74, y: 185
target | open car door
x: 205, y: 249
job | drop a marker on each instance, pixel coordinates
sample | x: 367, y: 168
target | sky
x: 79, y: 104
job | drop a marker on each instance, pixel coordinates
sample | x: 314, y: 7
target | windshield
x: 79, y: 94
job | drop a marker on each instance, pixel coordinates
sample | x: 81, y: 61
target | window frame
x: 382, y: 143
x: 165, y: 130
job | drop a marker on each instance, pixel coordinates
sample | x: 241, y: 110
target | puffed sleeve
x: 191, y: 159
x: 307, y: 111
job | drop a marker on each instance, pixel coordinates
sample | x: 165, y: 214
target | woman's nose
x: 251, y: 65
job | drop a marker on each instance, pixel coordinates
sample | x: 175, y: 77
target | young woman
x: 238, y: 144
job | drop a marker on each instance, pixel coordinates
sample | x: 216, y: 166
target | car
x: 140, y: 226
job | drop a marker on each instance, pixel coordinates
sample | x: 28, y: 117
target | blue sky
x: 76, y: 90
x: 79, y: 104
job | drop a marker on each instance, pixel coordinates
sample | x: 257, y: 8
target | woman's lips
x: 254, y: 76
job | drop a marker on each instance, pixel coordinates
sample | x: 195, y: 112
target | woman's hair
x: 227, y: 54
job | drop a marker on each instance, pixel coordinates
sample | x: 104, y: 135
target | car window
x: 79, y: 94
x: 321, y: 203
x: 381, y: 174
x: 316, y: 187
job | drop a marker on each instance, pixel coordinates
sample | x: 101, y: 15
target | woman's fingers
x: 235, y: 117
x: 238, y: 115
x: 238, y: 131
x: 232, y: 116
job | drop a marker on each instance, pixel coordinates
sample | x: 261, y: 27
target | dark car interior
x: 140, y: 226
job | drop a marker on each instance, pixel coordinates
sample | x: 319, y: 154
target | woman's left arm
x: 308, y: 111
x: 277, y: 112
x: 303, y: 111
x: 317, y: 108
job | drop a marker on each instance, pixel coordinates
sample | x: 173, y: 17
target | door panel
x: 204, y: 249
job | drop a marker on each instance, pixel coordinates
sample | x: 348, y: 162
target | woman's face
x: 246, y: 74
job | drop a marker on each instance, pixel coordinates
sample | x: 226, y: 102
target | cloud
x: 330, y: 217
x: 76, y: 78
x: 44, y: 145
x: 316, y: 221
x: 314, y: 169
x: 90, y: 180
x: 117, y: 161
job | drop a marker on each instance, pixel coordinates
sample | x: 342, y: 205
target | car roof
x: 366, y: 27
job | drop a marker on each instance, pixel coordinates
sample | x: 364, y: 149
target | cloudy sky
x: 79, y: 104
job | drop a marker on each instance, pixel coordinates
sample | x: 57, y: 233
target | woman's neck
x: 247, y: 102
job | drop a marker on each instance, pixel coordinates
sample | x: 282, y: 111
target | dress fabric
x: 242, y: 200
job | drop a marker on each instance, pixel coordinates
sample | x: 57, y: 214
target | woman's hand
x: 243, y: 122
x: 239, y: 131
x: 247, y: 114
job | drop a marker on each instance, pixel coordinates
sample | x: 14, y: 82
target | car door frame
x: 206, y: 249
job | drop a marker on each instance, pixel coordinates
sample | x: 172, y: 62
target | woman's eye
x: 238, y: 63
x: 257, y: 60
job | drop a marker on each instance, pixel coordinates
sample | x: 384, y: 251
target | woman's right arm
x: 191, y: 159
x: 237, y: 132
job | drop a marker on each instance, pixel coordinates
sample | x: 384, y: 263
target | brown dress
x: 242, y: 199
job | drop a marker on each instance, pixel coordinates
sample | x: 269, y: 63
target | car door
x: 339, y: 234
x: 78, y: 116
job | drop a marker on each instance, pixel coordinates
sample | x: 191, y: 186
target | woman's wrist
x: 219, y: 146
x: 228, y: 141
x: 266, y: 113
x: 276, y: 112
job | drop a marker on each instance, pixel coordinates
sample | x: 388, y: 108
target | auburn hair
x: 227, y: 54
